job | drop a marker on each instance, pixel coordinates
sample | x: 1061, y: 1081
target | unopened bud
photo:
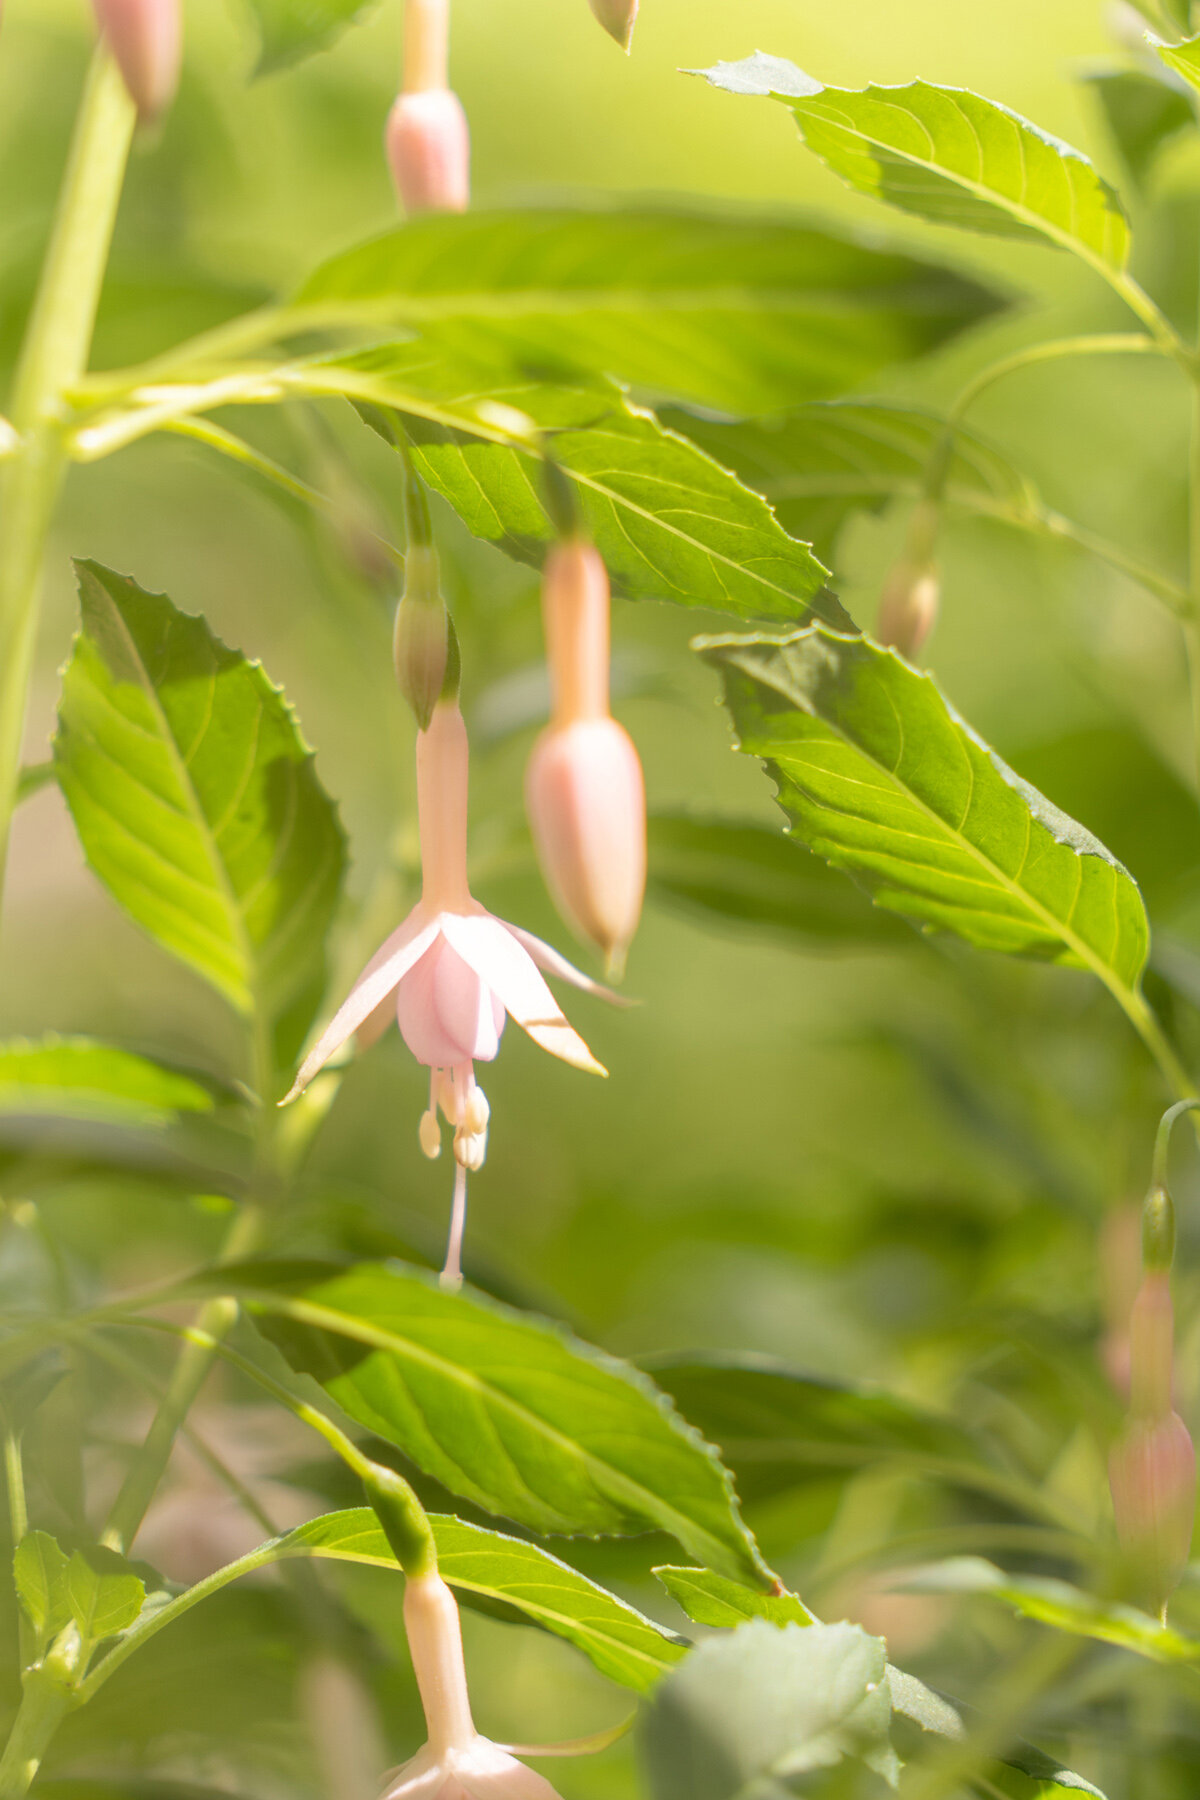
x: 618, y: 18
x: 420, y: 642
x: 1152, y: 1347
x: 587, y: 809
x: 909, y: 608
x: 146, y: 38
x: 1152, y: 1473
x: 429, y: 151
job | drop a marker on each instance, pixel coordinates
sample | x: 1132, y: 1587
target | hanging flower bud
x: 618, y: 18
x: 584, y: 789
x: 909, y: 607
x: 429, y: 152
x: 146, y: 38
x: 423, y: 634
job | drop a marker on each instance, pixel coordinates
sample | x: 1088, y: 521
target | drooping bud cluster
x: 584, y: 789
x: 908, y: 609
x: 428, y: 140
x: 146, y: 38
x: 618, y: 18
x: 1152, y: 1467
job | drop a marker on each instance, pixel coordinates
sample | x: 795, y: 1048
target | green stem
x: 18, y: 1519
x: 1137, y: 1011
x: 1191, y: 629
x: 55, y: 352
x: 44, y: 1706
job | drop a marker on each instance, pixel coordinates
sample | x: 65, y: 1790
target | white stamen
x: 477, y: 1113
x: 430, y: 1134
x: 451, y: 1277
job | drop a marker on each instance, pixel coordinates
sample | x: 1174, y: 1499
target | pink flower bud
x: 587, y: 807
x: 146, y: 38
x: 429, y: 150
x: 618, y: 18
x: 1152, y: 1473
x: 909, y: 608
x: 1152, y: 1347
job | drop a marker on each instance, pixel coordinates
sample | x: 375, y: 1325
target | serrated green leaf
x: 40, y: 1574
x: 196, y: 799
x: 82, y: 1078
x: 512, y: 1413
x: 880, y: 776
x: 489, y: 1566
x: 746, y: 314
x: 940, y: 1717
x: 293, y: 29
x: 1183, y: 58
x: 755, y: 1711
x: 1057, y: 1603
x: 104, y: 1593
x: 747, y: 874
x: 1143, y: 112
x: 712, y: 1599
x: 950, y: 156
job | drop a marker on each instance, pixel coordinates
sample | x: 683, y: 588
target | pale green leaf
x: 880, y: 776
x: 82, y: 1078
x: 753, y: 1712
x: 512, y: 1413
x: 937, y: 1715
x: 40, y: 1574
x: 103, y: 1591
x: 950, y: 156
x: 747, y: 314
x: 1183, y: 59
x: 1144, y: 110
x: 293, y: 29
x: 715, y: 1600
x: 196, y: 800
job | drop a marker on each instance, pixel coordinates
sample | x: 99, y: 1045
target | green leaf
x: 293, y: 29
x: 743, y: 873
x: 671, y: 523
x: 950, y: 156
x: 937, y: 1715
x: 512, y: 1413
x: 821, y: 464
x: 1183, y: 59
x: 196, y: 799
x: 880, y: 776
x: 745, y: 314
x: 489, y: 1567
x: 1057, y: 1603
x: 714, y: 1600
x: 103, y: 1592
x: 40, y: 1574
x: 32, y: 779
x: 754, y: 1711
x: 82, y: 1078
x: 1143, y: 112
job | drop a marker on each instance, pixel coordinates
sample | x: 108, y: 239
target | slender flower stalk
x: 454, y: 974
x: 146, y: 38
x: 584, y: 790
x: 428, y: 140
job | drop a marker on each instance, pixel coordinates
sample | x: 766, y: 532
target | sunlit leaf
x: 879, y: 775
x: 940, y: 1717
x: 714, y: 1600
x: 104, y: 1593
x: 747, y: 314
x: 947, y: 155
x: 757, y: 1709
x: 293, y: 29
x: 81, y: 1078
x: 196, y: 800
x: 1183, y: 58
x: 512, y: 1413
x: 40, y: 1574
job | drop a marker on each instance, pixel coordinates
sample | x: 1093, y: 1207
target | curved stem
x: 1162, y: 1141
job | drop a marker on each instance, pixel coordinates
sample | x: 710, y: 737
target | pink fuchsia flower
x: 455, y: 974
x: 584, y: 790
x: 146, y: 38
x: 456, y: 1763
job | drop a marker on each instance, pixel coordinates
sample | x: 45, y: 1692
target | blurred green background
x: 889, y: 1164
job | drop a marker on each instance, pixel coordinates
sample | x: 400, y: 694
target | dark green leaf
x: 512, y: 1413
x: 715, y: 1600
x: 40, y: 1574
x: 751, y: 1713
x: 948, y: 155
x: 933, y: 1713
x: 103, y: 1592
x: 879, y: 775
x: 196, y: 799
x: 741, y: 313
x: 750, y: 874
x: 1143, y: 112
x: 81, y: 1078
x: 293, y: 29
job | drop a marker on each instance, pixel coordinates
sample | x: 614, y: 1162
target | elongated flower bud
x: 584, y: 790
x: 1152, y: 1473
x: 618, y: 18
x: 429, y: 151
x: 421, y: 639
x: 146, y: 38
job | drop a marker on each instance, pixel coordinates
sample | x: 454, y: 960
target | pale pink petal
x: 488, y: 1774
x: 509, y: 970
x: 546, y: 957
x: 390, y: 963
x: 446, y: 1012
x: 424, y: 1778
